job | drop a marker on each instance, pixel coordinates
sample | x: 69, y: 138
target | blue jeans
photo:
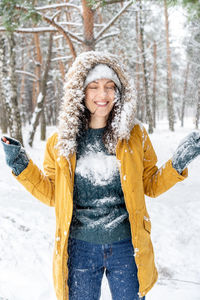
x: 87, y: 262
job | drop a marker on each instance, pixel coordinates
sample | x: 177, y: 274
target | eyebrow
x: 109, y: 81
x: 93, y: 82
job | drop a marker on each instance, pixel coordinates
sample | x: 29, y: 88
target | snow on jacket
x: 137, y: 166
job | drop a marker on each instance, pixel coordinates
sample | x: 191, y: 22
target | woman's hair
x: 86, y: 116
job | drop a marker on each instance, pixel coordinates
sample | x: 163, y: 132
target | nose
x: 102, y: 92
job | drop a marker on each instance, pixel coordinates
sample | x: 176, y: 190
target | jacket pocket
x: 147, y: 224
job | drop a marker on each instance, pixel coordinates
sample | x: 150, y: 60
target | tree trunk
x: 21, y: 95
x: 34, y: 93
x: 170, y: 104
x: 42, y: 126
x: 4, y: 88
x: 144, y: 69
x: 35, y: 119
x: 59, y: 42
x: 16, y: 131
x: 3, y: 119
x: 140, y: 102
x: 198, y: 107
x: 184, y: 95
x: 41, y: 97
x: 38, y: 74
x: 3, y: 114
x: 38, y: 61
x: 22, y: 90
x: 100, y: 17
x: 154, y: 82
x: 88, y: 24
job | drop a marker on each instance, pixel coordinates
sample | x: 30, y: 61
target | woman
x: 97, y: 169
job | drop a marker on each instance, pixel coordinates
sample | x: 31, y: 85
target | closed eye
x: 92, y: 87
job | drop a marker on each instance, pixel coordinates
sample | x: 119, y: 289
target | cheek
x: 88, y: 101
x: 112, y: 102
x: 112, y: 97
x: 111, y: 106
x: 87, y: 98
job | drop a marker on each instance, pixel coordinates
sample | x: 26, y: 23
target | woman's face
x: 99, y: 97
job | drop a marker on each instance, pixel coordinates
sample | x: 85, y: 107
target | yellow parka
x: 139, y: 175
x: 128, y: 140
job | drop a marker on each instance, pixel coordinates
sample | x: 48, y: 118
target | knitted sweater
x: 99, y: 214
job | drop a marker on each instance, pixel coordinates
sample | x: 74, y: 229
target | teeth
x: 101, y: 103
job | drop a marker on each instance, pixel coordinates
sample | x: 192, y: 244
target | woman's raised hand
x: 187, y: 150
x: 16, y: 157
x: 4, y: 139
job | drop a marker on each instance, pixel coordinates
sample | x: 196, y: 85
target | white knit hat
x: 102, y: 71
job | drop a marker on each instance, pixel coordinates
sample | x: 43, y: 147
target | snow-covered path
x: 27, y: 232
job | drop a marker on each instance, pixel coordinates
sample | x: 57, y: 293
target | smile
x: 101, y: 104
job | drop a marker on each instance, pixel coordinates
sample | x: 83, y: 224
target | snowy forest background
x: 160, y: 43
x: 158, y: 40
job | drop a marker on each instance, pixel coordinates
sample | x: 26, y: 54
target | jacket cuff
x: 24, y: 171
x: 181, y: 176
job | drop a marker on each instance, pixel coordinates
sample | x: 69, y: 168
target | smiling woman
x: 97, y: 168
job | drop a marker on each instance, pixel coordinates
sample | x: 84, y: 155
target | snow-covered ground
x: 27, y: 232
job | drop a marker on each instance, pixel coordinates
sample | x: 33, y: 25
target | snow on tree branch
x: 79, y: 24
x: 108, y: 36
x: 32, y: 30
x: 60, y: 28
x: 28, y: 74
x: 53, y: 6
x: 113, y: 20
x: 62, y: 58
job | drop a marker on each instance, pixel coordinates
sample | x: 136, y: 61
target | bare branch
x: 32, y: 30
x: 107, y: 36
x: 113, y: 20
x: 62, y: 58
x: 113, y: 1
x: 28, y: 74
x: 79, y: 24
x: 55, y: 15
x: 70, y: 24
x: 75, y: 37
x: 43, y: 30
x: 56, y: 25
x: 107, y: 3
x: 53, y: 6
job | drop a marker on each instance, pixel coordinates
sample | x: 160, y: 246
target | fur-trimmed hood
x: 72, y: 105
